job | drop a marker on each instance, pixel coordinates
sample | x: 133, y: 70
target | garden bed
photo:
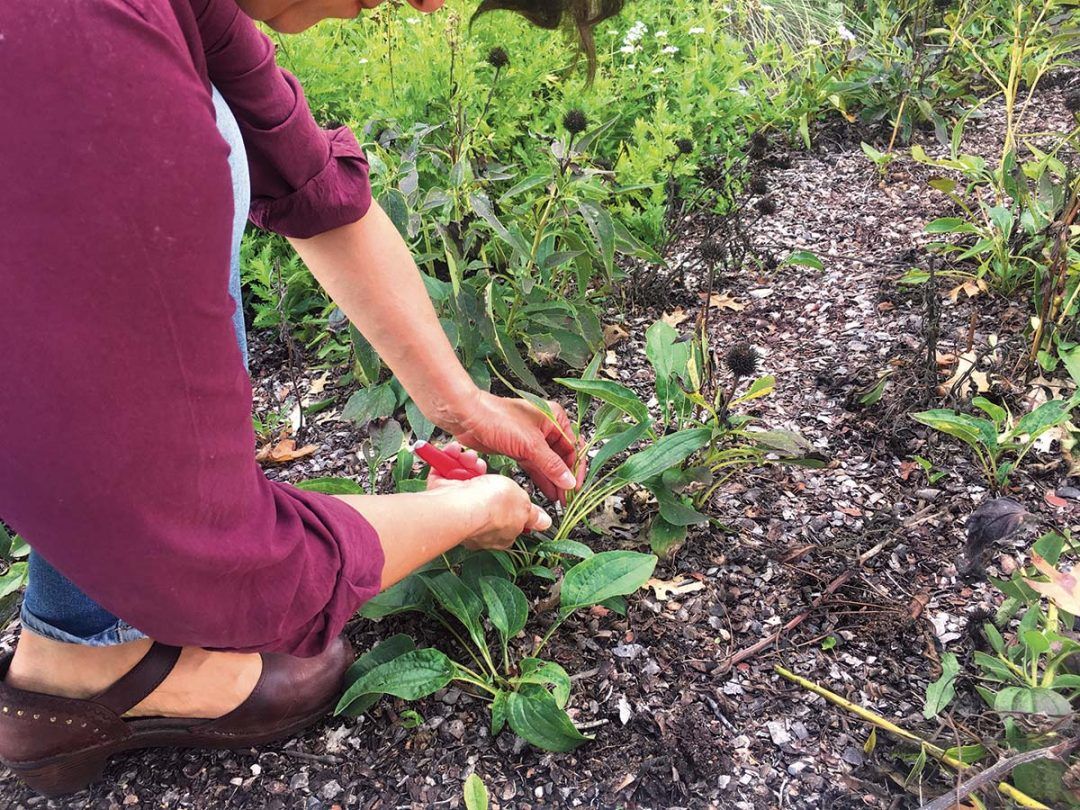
x: 674, y: 725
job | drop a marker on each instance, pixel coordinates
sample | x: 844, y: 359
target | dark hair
x: 576, y: 16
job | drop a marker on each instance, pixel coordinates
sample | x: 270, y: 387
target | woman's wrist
x: 455, y: 407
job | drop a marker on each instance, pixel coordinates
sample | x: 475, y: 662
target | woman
x: 186, y: 600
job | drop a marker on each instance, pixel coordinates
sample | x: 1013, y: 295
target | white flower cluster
x: 844, y: 33
x: 671, y: 49
x: 633, y: 37
x: 697, y: 30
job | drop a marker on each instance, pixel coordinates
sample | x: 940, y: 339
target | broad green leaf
x: 676, y: 511
x: 538, y: 671
x: 19, y: 548
x: 409, y: 594
x: 507, y: 607
x: 395, y: 205
x: 367, y: 404
x: 602, y: 229
x: 421, y: 427
x: 992, y: 666
x: 481, y: 206
x: 998, y: 414
x: 5, y: 542
x: 607, y: 574
x: 762, y: 386
x: 993, y: 636
x: 459, y: 600
x: 367, y: 360
x: 331, y: 486
x: 665, y: 537
x: 384, y: 651
x: 386, y: 439
x: 13, y: 579
x: 972, y: 430
x: 1032, y: 700
x: 1035, y: 642
x: 615, y: 446
x: 787, y: 442
x: 950, y: 225
x: 534, y: 716
x: 485, y: 563
x: 1046, y: 416
x: 967, y: 753
x: 804, y: 258
x: 498, y: 712
x: 475, y: 794
x: 941, y: 692
x: 410, y: 676
x: 570, y: 547
x: 665, y: 453
x: 611, y: 392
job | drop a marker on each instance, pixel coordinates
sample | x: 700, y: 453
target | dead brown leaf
x: 614, y: 335
x: 674, y: 318
x: 972, y: 287
x: 283, y: 452
x: 665, y: 589
x: 723, y: 301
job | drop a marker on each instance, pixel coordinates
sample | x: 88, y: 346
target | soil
x: 675, y: 726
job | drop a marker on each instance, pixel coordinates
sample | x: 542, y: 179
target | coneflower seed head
x: 742, y: 360
x: 498, y: 58
x: 685, y: 145
x: 575, y: 121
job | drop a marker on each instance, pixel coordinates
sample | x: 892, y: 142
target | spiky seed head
x: 766, y: 205
x: 498, y: 58
x: 575, y: 121
x: 758, y: 186
x: 742, y: 360
x: 684, y: 145
x: 713, y: 252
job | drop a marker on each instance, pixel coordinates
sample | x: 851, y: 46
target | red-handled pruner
x: 442, y: 462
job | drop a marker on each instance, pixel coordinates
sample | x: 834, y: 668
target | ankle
x: 70, y: 670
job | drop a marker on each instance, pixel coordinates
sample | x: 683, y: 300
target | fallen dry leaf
x: 284, y: 451
x: 972, y: 287
x: 665, y: 589
x: 614, y: 335
x: 674, y: 318
x: 318, y: 385
x: 1062, y: 589
x: 723, y: 301
x: 918, y: 602
x: 1055, y: 500
x: 906, y: 469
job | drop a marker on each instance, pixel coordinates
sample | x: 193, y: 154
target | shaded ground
x: 674, y: 726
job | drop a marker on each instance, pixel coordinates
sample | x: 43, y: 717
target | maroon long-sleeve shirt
x: 126, y: 450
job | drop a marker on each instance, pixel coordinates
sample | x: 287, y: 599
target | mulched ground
x: 675, y: 726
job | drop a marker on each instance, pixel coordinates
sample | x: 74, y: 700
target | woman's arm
x: 368, y: 270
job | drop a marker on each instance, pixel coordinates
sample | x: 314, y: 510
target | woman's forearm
x: 415, y: 527
x: 367, y: 269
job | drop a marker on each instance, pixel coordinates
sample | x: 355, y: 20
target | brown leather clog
x: 60, y: 745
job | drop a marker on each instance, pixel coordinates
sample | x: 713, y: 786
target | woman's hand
x: 548, y: 451
x: 499, y: 507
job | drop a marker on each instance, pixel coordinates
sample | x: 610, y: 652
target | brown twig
x: 832, y: 587
x: 998, y: 771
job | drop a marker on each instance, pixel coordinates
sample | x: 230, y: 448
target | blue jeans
x: 52, y: 606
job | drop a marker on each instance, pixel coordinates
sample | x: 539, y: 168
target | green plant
x: 475, y: 596
x: 13, y: 553
x: 1024, y: 675
x: 999, y: 442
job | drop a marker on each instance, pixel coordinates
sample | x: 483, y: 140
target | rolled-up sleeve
x: 305, y: 180
x: 128, y: 455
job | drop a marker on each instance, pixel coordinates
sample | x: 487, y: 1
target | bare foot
x: 202, y: 684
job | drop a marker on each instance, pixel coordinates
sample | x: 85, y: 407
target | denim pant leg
x: 52, y: 605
